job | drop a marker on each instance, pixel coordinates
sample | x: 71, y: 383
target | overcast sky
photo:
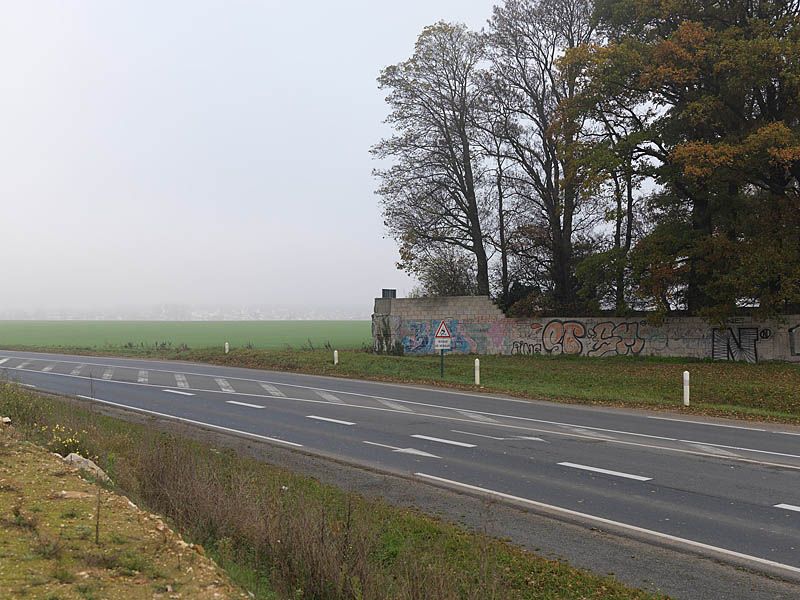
x: 198, y: 152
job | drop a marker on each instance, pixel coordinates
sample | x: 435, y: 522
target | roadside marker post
x: 335, y: 357
x: 686, y: 388
x: 477, y: 371
x: 227, y: 347
x: 442, y: 340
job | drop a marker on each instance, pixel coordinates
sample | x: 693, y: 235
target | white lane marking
x: 488, y: 437
x: 5, y: 360
x: 224, y: 385
x: 329, y: 420
x: 27, y: 385
x: 693, y: 422
x: 108, y: 373
x: 442, y: 441
x: 460, y: 420
x: 788, y: 507
x: 713, y: 450
x: 273, y: 390
x: 605, y: 471
x: 243, y: 404
x: 394, y: 405
x: 742, y: 449
x: 592, y: 434
x: 395, y: 401
x: 476, y: 416
x: 143, y: 376
x: 180, y: 379
x: 413, y: 451
x: 603, y: 520
x: 77, y: 370
x: 329, y: 397
x: 22, y: 365
x: 192, y: 421
x: 178, y: 392
x: 48, y: 368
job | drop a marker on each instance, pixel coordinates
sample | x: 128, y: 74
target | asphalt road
x: 724, y: 489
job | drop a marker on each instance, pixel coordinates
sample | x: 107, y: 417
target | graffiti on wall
x: 794, y: 340
x: 740, y: 345
x: 574, y: 337
x: 418, y: 337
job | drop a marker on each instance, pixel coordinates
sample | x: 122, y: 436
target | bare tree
x: 542, y: 133
x: 433, y: 191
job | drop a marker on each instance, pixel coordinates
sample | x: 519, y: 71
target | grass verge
x: 764, y: 391
x: 62, y: 536
x: 281, y: 535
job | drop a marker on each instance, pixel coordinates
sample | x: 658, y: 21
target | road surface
x: 724, y: 489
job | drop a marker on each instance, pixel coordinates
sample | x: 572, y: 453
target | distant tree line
x: 579, y: 156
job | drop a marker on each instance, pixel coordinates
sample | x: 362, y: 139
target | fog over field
x: 197, y: 154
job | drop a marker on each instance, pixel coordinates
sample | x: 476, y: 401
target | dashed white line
x: 243, y: 404
x: 178, y: 392
x: 443, y: 441
x: 394, y: 405
x: 412, y: 451
x: 185, y: 420
x: 108, y: 373
x: 48, y: 368
x: 603, y: 520
x: 224, y: 385
x: 143, y: 376
x: 329, y: 397
x: 488, y: 437
x: 605, y: 471
x: 180, y: 379
x: 337, y: 421
x: 273, y: 391
x: 788, y: 507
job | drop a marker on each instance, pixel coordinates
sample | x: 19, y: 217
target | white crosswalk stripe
x: 224, y: 385
x: 273, y: 391
x: 329, y: 397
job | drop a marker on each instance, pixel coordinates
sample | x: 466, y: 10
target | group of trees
x: 587, y: 155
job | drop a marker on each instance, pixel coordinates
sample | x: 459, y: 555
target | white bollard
x: 335, y: 357
x: 686, y: 388
x: 477, y: 371
x: 227, y: 347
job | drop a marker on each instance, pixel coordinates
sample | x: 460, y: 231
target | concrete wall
x: 479, y: 327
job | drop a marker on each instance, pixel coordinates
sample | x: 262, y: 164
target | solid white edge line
x: 178, y: 392
x: 636, y: 528
x: 443, y: 441
x: 709, y: 424
x: 444, y: 417
x: 604, y: 471
x: 329, y: 420
x: 192, y: 421
x: 788, y: 507
x: 243, y: 404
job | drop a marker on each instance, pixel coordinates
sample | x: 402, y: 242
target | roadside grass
x: 282, y: 535
x: 54, y: 544
x: 145, y: 335
x: 765, y: 391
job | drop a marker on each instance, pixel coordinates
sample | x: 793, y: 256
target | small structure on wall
x: 478, y: 326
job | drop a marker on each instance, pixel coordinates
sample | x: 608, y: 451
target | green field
x: 194, y: 334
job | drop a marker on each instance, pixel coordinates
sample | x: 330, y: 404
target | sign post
x: 442, y: 341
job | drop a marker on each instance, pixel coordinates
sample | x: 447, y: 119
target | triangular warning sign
x: 442, y: 331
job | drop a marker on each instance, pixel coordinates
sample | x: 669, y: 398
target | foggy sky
x: 198, y: 152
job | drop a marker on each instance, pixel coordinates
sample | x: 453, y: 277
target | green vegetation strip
x: 281, y: 535
x: 177, y: 334
x: 764, y: 391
